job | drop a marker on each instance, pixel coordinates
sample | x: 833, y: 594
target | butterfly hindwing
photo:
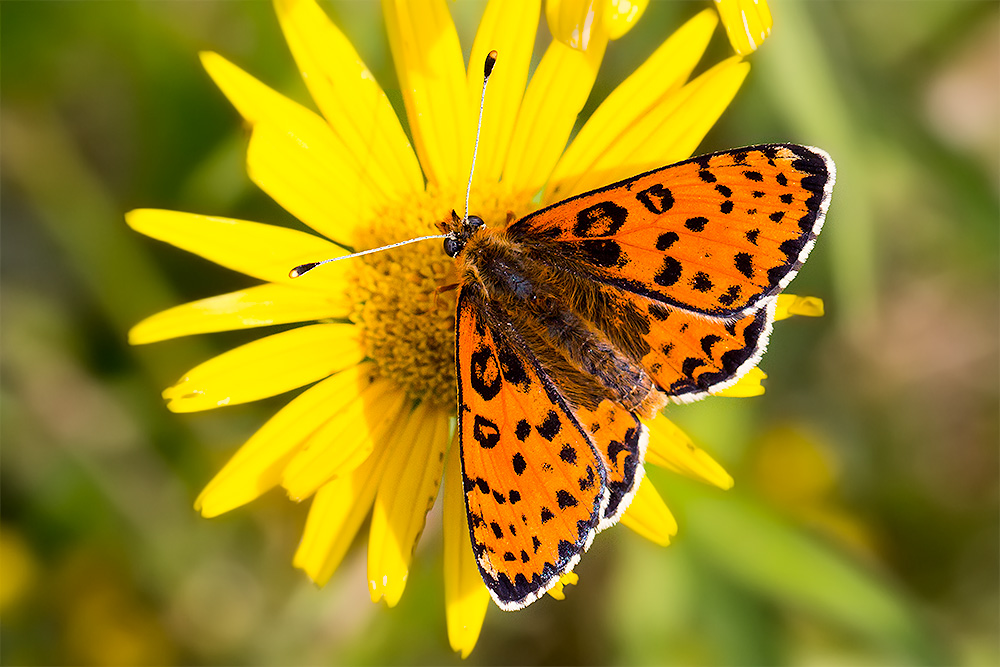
x: 620, y: 439
x: 714, y: 234
x: 534, y: 485
x: 689, y: 355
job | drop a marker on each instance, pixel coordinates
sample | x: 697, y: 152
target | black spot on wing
x: 696, y: 224
x: 701, y: 282
x: 602, y: 252
x: 657, y: 199
x: 485, y: 432
x: 665, y: 240
x: 743, y: 262
x: 669, y: 273
x: 512, y: 367
x: 565, y: 499
x: 731, y: 295
x: 602, y: 219
x: 485, y: 374
x: 550, y: 427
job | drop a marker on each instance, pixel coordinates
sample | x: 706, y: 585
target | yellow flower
x: 374, y: 431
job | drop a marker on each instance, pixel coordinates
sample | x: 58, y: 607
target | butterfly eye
x: 451, y: 247
x: 474, y: 222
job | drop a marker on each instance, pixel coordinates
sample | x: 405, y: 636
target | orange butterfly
x: 583, y: 316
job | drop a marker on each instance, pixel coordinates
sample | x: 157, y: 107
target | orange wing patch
x: 534, y: 486
x: 714, y: 234
x: 691, y: 355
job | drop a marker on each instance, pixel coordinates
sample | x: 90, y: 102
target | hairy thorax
x: 547, y: 310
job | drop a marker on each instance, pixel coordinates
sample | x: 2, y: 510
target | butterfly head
x: 459, y: 231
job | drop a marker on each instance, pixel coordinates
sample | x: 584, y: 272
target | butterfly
x: 581, y: 318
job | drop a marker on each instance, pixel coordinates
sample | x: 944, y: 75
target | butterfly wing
x: 715, y: 235
x: 679, y: 266
x: 687, y: 354
x: 541, y: 475
x: 535, y: 487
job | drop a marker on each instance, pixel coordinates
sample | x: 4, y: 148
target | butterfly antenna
x: 491, y: 59
x: 303, y: 269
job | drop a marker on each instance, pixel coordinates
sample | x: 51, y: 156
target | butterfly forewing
x: 534, y: 484
x: 715, y: 234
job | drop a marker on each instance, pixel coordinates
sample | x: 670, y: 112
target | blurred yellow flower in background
x: 374, y: 431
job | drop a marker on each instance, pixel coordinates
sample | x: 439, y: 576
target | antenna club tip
x: 302, y: 269
x: 491, y: 60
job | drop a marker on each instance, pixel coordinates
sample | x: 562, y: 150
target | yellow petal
x: 669, y: 447
x: 267, y: 367
x: 406, y: 494
x: 649, y: 516
x: 622, y: 15
x: 259, y: 463
x: 576, y: 23
x: 431, y: 71
x: 353, y: 103
x: 748, y: 386
x: 748, y: 23
x: 465, y: 595
x: 792, y: 304
x: 568, y: 579
x: 667, y: 133
x: 309, y: 181
x: 508, y: 28
x: 266, y: 252
x: 258, y: 306
x: 662, y: 73
x: 291, y: 143
x: 337, y: 511
x: 346, y: 441
x: 555, y: 96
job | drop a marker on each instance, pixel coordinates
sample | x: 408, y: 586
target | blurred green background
x: 863, y: 528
